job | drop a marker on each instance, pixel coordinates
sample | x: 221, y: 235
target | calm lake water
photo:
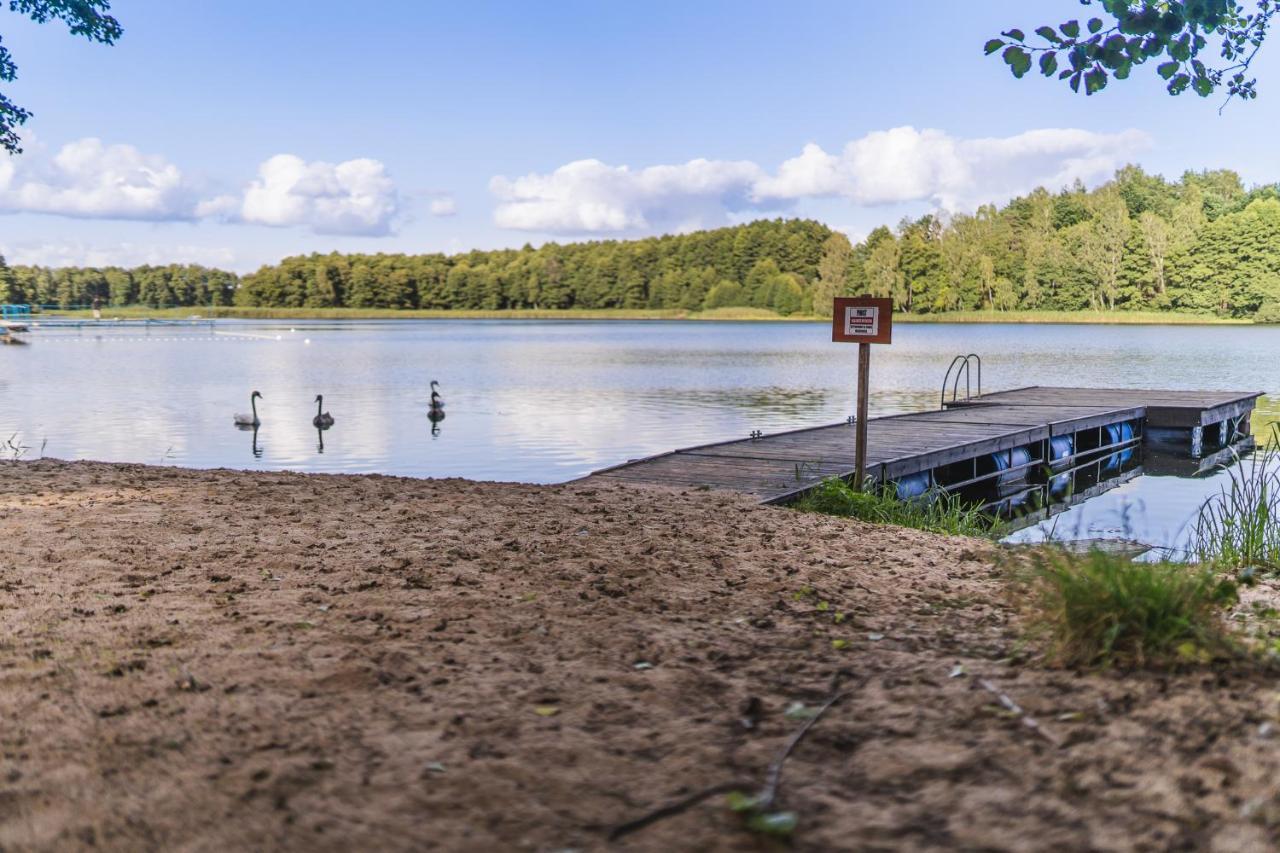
x: 549, y: 401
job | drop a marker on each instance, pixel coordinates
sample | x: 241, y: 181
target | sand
x: 213, y: 660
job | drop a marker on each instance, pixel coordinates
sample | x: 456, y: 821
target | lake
x: 546, y: 401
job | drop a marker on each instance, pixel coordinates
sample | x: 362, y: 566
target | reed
x: 1239, y: 528
x: 936, y: 511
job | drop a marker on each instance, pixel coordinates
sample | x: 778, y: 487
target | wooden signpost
x: 864, y: 320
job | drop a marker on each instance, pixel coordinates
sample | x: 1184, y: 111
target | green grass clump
x: 1239, y: 528
x: 936, y: 511
x: 1101, y: 609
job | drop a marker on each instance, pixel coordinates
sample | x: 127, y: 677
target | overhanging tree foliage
x: 86, y: 18
x: 1177, y: 34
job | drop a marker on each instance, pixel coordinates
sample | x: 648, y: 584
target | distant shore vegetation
x: 1137, y: 249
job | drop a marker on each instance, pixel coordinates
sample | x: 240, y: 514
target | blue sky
x: 237, y: 132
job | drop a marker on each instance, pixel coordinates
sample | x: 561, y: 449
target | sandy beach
x: 213, y: 660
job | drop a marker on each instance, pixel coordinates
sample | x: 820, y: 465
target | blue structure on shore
x: 15, y: 313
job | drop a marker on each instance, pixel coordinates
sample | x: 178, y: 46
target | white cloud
x: 76, y: 254
x: 588, y: 195
x: 91, y: 180
x: 352, y: 197
x: 443, y: 206
x: 908, y: 165
x: 897, y: 166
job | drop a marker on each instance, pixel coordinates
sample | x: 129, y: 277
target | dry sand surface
x: 223, y: 660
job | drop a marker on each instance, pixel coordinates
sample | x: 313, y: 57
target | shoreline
x: 1143, y: 318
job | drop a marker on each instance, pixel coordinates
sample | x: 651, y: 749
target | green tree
x: 9, y: 291
x: 83, y: 17
x: 1039, y: 246
x: 884, y: 273
x: 760, y: 281
x: 1234, y: 265
x: 1156, y: 238
x: 833, y: 273
x: 725, y: 294
x: 920, y: 259
x: 1102, y: 249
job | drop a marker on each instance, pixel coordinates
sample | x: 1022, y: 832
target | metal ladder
x: 960, y: 365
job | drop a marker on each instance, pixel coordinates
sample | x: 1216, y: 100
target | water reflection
x: 539, y: 402
x: 1157, y: 509
x: 254, y: 448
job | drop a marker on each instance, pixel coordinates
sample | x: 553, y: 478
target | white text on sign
x: 862, y: 321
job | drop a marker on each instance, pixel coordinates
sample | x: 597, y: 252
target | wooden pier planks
x: 1174, y: 409
x: 783, y: 464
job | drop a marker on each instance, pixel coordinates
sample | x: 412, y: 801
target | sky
x: 236, y: 132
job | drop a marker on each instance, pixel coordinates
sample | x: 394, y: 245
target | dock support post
x: 860, y: 430
x: 1197, y: 442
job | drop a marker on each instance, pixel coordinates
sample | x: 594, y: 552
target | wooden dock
x: 1000, y: 439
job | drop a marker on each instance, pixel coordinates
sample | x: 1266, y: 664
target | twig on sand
x: 1015, y: 708
x: 773, y: 777
x: 671, y: 809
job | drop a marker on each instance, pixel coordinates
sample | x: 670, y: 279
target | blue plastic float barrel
x: 1016, y: 458
x: 1117, y: 433
x: 914, y: 486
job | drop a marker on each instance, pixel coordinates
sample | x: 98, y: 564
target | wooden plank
x: 753, y: 476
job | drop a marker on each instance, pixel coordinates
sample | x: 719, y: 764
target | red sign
x: 862, y: 319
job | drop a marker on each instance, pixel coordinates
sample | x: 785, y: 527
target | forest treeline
x: 1203, y: 243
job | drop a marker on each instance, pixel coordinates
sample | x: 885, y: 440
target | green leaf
x: 1048, y: 64
x: 1095, y: 24
x: 799, y: 711
x: 1167, y: 69
x: 1179, y: 84
x: 1075, y: 82
x: 1018, y: 60
x: 1070, y: 29
x: 1203, y: 86
x: 1016, y: 35
x: 992, y: 46
x: 740, y: 802
x: 780, y: 824
x: 1095, y: 81
x: 1048, y: 34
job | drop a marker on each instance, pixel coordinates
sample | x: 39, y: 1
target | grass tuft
x: 1102, y: 609
x: 936, y: 511
x: 1239, y: 528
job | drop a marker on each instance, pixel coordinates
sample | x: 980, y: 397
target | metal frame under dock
x: 994, y: 447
